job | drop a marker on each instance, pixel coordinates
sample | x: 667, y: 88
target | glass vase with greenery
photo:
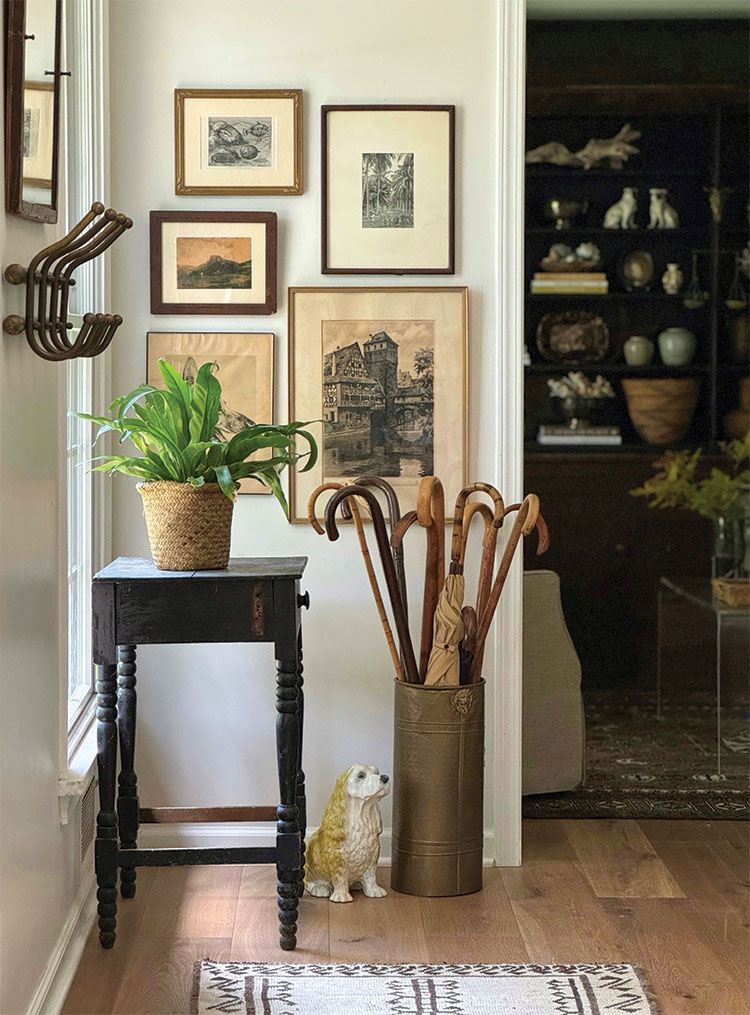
x: 174, y: 431
x: 721, y: 495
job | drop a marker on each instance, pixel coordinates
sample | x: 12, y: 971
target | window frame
x: 85, y: 151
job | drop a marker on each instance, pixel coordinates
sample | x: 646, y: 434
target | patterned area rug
x: 638, y: 766
x: 260, y: 989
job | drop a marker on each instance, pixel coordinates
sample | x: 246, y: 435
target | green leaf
x: 313, y: 452
x: 225, y: 481
x: 179, y: 387
x: 204, y: 404
x: 272, y: 480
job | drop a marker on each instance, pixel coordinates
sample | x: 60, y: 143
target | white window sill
x: 81, y: 770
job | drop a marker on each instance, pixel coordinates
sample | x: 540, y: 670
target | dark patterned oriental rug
x: 240, y: 988
x: 641, y: 767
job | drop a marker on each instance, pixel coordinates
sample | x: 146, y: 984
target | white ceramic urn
x: 677, y: 346
x: 672, y: 278
x: 638, y: 351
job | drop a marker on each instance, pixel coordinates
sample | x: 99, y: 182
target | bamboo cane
x: 410, y: 671
x: 431, y: 517
x: 525, y: 522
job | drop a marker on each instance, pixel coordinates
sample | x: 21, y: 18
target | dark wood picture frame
x: 158, y: 306
x: 449, y: 269
x: 15, y: 85
x: 181, y: 94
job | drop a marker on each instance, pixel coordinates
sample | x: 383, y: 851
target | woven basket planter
x: 189, y: 527
x: 661, y: 410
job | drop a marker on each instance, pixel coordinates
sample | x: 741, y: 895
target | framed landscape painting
x: 383, y: 371
x: 244, y: 367
x: 388, y: 200
x: 213, y: 262
x: 235, y: 141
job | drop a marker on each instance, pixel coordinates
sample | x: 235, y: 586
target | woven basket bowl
x: 661, y: 410
x: 189, y: 527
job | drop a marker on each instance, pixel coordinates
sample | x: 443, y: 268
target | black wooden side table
x: 253, y: 600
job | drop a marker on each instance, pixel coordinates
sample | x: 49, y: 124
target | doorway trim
x: 509, y: 245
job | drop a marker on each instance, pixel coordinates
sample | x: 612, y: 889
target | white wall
x: 38, y: 857
x: 206, y: 714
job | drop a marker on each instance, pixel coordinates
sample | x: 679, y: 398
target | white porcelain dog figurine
x: 622, y: 214
x: 343, y: 853
x: 661, y: 213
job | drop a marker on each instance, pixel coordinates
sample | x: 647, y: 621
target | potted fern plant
x: 189, y: 479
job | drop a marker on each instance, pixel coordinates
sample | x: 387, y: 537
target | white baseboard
x: 254, y: 834
x: 63, y: 963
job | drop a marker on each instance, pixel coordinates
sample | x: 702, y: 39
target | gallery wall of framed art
x: 401, y: 57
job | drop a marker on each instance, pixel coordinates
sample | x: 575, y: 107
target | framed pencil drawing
x: 213, y: 262
x: 388, y: 190
x: 38, y: 133
x: 384, y: 371
x: 238, y: 141
x: 244, y: 366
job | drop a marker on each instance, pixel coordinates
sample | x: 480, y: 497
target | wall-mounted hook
x: 48, y: 281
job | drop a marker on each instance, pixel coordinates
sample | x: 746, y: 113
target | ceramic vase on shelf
x: 638, y: 351
x: 676, y: 346
x: 672, y: 278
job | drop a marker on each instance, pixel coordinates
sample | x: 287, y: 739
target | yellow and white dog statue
x: 343, y: 853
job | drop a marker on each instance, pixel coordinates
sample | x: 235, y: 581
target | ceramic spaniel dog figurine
x: 343, y: 853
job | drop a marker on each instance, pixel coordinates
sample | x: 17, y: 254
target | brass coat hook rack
x: 48, y: 281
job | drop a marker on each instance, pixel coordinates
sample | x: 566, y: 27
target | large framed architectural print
x: 384, y: 371
x: 388, y: 190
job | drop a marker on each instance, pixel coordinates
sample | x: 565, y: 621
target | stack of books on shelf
x: 583, y: 433
x: 592, y: 282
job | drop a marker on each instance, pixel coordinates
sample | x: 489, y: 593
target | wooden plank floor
x: 671, y: 896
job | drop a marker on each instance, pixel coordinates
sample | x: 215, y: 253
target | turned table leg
x: 301, y: 798
x: 106, y: 822
x: 287, y: 823
x: 127, y: 796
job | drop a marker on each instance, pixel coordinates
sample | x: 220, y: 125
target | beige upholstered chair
x: 553, y: 721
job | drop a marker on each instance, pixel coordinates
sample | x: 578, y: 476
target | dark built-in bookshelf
x: 702, y: 143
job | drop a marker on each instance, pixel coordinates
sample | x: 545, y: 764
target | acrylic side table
x: 133, y: 603
x: 699, y: 592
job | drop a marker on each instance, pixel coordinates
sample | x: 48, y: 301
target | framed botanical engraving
x: 232, y: 141
x: 213, y: 262
x: 244, y: 364
x: 388, y: 201
x: 384, y: 371
x: 38, y: 133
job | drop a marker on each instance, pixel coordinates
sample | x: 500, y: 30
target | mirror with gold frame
x: 32, y: 107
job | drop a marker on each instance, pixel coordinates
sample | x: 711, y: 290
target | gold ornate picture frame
x: 238, y: 141
x: 383, y: 372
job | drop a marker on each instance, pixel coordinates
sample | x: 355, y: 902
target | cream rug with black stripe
x: 270, y: 989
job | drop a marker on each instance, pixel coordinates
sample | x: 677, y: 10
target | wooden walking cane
x: 525, y: 523
x: 431, y: 517
x: 411, y: 674
x: 357, y: 518
x: 394, y: 517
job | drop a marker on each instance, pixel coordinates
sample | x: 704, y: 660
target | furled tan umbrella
x: 444, y: 665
